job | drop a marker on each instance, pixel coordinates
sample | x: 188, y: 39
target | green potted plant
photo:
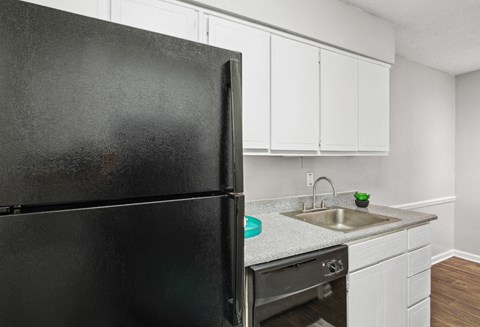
x: 361, y: 199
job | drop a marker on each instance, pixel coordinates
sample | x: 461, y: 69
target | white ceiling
x: 442, y: 34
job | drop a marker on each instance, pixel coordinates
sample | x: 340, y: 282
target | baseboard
x: 467, y: 256
x: 442, y: 256
x: 455, y: 253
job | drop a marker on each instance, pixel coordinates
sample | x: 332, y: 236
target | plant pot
x: 362, y: 204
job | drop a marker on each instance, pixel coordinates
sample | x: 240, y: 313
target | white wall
x: 421, y: 164
x: 467, y: 215
x: 328, y: 21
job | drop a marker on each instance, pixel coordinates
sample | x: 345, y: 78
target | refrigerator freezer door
x: 157, y: 264
x: 95, y: 111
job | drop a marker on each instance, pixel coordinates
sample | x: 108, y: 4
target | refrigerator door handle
x: 235, y: 84
x: 238, y: 268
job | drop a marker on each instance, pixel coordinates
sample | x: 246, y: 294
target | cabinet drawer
x: 419, y: 287
x: 418, y: 237
x: 419, y: 260
x: 419, y: 315
x: 375, y: 250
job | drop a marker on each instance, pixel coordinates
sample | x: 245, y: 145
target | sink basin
x: 341, y: 219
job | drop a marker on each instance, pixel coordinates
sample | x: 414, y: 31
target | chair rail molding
x: 425, y: 203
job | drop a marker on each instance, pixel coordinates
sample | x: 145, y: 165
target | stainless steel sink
x: 341, y: 219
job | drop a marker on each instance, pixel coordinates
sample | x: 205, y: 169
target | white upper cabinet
x: 373, y: 107
x: 292, y: 104
x: 91, y: 8
x: 254, y: 44
x: 157, y: 16
x: 295, y: 95
x: 354, y: 104
x: 339, y: 102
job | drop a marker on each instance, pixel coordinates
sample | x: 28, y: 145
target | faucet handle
x: 304, y: 206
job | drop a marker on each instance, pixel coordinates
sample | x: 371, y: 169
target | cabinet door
x: 157, y: 16
x: 365, y: 298
x: 373, y: 107
x: 295, y: 95
x: 394, y: 273
x: 377, y: 295
x: 254, y: 45
x: 339, y: 102
x: 91, y: 8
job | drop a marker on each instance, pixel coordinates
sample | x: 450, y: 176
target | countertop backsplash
x: 259, y: 207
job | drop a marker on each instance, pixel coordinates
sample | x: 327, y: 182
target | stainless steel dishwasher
x: 305, y: 290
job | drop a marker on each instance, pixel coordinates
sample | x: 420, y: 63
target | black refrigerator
x: 121, y: 175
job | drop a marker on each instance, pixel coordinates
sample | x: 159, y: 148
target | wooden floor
x: 455, y: 293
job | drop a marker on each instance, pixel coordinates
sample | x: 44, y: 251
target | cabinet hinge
x: 319, y: 57
x: 347, y: 283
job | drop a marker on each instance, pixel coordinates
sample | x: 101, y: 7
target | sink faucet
x: 322, y: 204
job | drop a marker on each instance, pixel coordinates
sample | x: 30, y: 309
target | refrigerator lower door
x: 168, y: 263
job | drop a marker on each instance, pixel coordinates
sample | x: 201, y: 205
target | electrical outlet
x: 309, y: 179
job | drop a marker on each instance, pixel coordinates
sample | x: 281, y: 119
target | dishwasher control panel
x: 333, y: 266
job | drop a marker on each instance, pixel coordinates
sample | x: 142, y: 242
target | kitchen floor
x: 456, y: 293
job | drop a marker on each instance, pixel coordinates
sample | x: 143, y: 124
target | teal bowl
x: 253, y: 227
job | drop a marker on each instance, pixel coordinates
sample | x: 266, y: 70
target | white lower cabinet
x: 368, y: 253
x: 419, y: 287
x: 365, y: 297
x: 377, y: 295
x: 419, y: 315
x: 419, y: 276
x: 419, y: 260
x: 389, y: 280
x: 394, y: 279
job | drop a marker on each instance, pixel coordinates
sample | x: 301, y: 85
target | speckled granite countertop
x: 282, y: 236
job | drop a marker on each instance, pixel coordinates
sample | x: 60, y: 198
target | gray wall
x: 422, y: 142
x: 467, y: 216
x: 441, y: 230
x: 328, y: 21
x: 421, y: 164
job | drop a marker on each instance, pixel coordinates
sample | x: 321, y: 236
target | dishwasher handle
x: 261, y: 301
